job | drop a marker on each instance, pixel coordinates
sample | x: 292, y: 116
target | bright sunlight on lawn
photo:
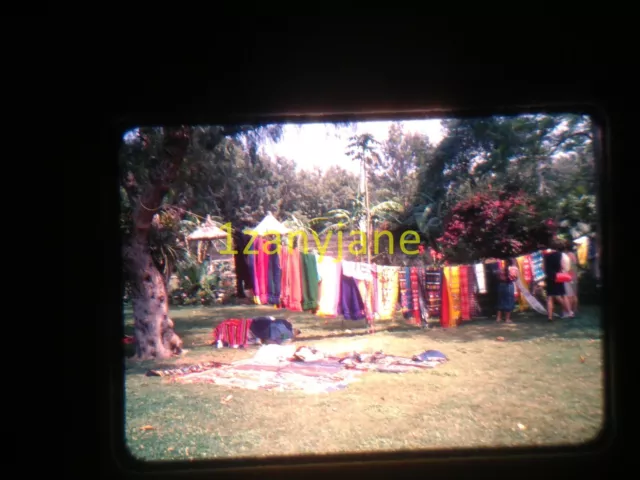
x: 541, y: 385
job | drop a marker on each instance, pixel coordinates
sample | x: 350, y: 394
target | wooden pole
x: 366, y: 206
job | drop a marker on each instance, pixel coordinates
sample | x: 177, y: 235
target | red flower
x: 421, y: 249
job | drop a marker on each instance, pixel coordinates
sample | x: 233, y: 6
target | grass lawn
x: 533, y: 388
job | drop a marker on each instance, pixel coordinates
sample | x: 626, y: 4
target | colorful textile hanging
x: 263, y: 270
x: 351, y: 303
x: 583, y: 251
x: 454, y: 292
x: 434, y: 290
x: 524, y: 285
x: 473, y: 291
x: 255, y: 290
x: 292, y: 294
x: 309, y: 281
x: 466, y: 300
x: 366, y: 286
x: 275, y: 279
x: 480, y: 278
x: 445, y: 314
x: 531, y: 300
x: 406, y: 303
x: 386, y: 291
x: 256, y: 272
x: 537, y: 267
x: 329, y: 271
x: 422, y: 284
x: 526, y: 269
x: 284, y: 280
x: 415, y: 294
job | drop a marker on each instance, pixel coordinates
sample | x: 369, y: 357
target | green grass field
x: 542, y: 385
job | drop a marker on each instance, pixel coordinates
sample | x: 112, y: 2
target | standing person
x: 553, y: 266
x: 570, y: 266
x: 506, y: 290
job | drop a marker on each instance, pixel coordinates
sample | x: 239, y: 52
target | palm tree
x: 340, y: 219
x: 362, y: 148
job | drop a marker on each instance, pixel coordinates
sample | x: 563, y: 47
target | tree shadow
x: 526, y: 327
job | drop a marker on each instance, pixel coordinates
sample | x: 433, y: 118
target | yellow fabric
x: 387, y: 287
x: 448, y: 275
x: 455, y: 296
x: 583, y: 249
x: 523, y: 303
x: 366, y: 292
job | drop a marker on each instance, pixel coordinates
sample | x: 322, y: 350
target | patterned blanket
x: 187, y: 369
x: 306, y: 370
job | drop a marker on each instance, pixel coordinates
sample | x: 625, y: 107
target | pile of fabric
x: 304, y: 369
x: 240, y: 332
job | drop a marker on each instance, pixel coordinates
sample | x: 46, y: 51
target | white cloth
x: 480, y: 278
x: 357, y: 270
x: 348, y: 268
x: 565, y: 263
x: 530, y: 299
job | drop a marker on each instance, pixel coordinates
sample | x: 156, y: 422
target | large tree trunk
x: 154, y: 334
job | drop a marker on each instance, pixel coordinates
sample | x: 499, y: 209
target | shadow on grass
x: 199, y: 321
x: 526, y: 326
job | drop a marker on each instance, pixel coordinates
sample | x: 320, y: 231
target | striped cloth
x: 474, y: 304
x: 422, y: 284
x: 466, y: 299
x: 434, y: 289
x: 405, y: 294
x: 233, y: 331
x: 537, y: 267
x: 454, y: 292
x: 445, y: 304
x: 415, y: 294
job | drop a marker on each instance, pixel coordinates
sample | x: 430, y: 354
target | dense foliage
x: 487, y: 188
x: 495, y: 224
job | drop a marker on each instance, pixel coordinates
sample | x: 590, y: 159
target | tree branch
x: 174, y: 148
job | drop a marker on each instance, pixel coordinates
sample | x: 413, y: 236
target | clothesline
x: 300, y: 281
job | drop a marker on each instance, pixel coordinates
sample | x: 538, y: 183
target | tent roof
x: 207, y: 232
x: 268, y: 225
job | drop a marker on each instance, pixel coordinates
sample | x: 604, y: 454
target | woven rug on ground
x: 295, y: 376
x: 304, y: 369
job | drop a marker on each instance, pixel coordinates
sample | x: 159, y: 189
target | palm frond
x: 388, y: 206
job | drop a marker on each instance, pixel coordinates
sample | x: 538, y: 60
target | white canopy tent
x: 268, y: 226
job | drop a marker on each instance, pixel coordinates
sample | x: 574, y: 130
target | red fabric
x: 263, y: 271
x: 292, y: 292
x: 233, y: 331
x: 444, y: 306
x: 527, y: 269
x: 284, y: 278
x: 465, y: 299
x: 415, y: 295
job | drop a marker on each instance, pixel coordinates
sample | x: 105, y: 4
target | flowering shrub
x: 494, y: 224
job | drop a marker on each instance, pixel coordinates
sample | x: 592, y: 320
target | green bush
x: 589, y: 292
